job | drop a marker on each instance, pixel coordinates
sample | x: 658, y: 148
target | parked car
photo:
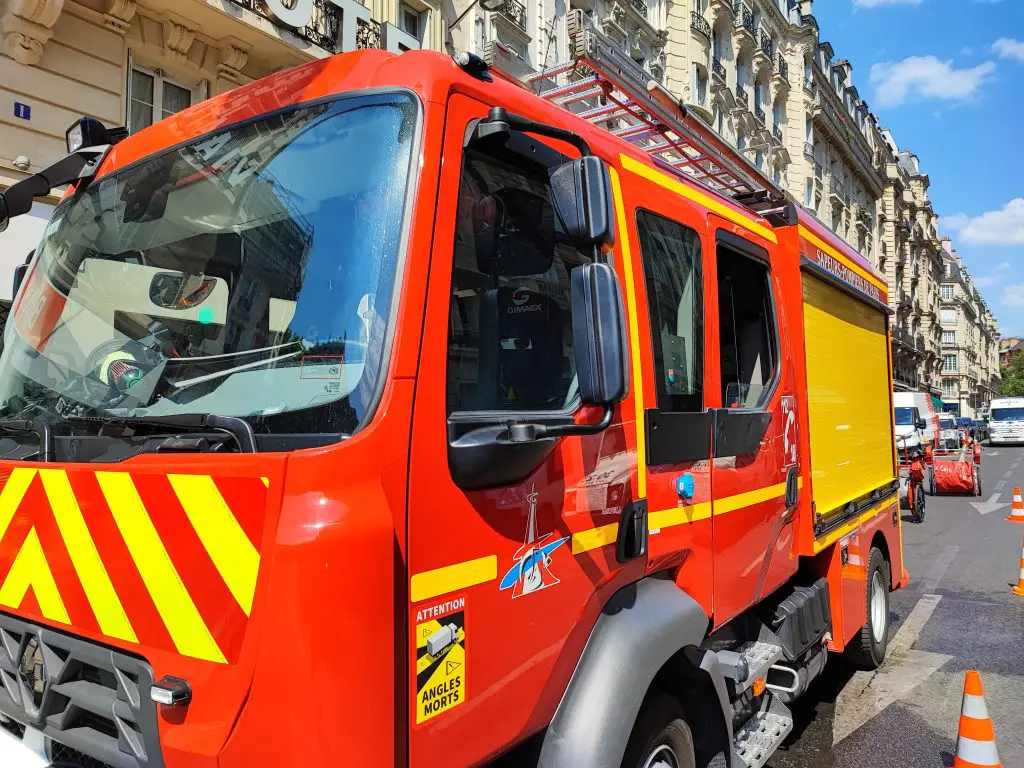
x: 967, y: 427
x: 982, y: 428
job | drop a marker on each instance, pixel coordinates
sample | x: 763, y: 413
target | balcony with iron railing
x: 717, y: 68
x: 759, y: 113
x: 322, y: 30
x: 838, y: 189
x: 783, y: 67
x: 777, y: 133
x: 741, y: 95
x: 766, y: 45
x: 515, y: 12
x: 699, y: 24
x: 817, y: 169
x: 640, y: 6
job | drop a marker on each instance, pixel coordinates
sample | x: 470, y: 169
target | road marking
x: 938, y: 570
x: 1008, y: 474
x: 1000, y: 485
x: 984, y: 507
x: 868, y: 694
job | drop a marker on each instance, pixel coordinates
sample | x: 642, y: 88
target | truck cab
x: 381, y: 408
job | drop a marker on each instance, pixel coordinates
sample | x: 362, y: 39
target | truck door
x: 512, y: 548
x: 755, y: 446
x: 669, y: 255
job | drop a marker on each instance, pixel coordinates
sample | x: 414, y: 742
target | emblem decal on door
x: 790, y: 432
x: 532, y: 569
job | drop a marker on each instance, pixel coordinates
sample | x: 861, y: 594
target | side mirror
x: 922, y: 424
x: 581, y: 191
x: 599, y: 334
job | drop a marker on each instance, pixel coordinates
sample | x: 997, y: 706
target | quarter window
x: 510, y: 345
x: 672, y: 269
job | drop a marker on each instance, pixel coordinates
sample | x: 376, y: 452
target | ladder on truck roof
x: 604, y: 86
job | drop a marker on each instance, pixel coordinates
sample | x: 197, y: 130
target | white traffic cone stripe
x: 977, y: 752
x: 974, y: 706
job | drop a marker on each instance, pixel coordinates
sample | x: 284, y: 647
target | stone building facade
x: 132, y: 62
x: 970, y: 339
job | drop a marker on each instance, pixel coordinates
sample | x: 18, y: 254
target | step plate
x: 760, y: 736
x: 760, y: 657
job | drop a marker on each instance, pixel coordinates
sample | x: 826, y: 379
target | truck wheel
x: 660, y: 738
x: 867, y: 648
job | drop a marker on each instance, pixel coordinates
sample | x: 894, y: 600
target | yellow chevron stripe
x: 706, y: 201
x: 186, y: 627
x: 91, y: 572
x: 230, y: 549
x: 30, y: 569
x: 13, y: 492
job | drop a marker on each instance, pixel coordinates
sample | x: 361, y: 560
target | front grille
x: 91, y: 701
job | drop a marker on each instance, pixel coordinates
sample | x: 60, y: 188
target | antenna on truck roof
x: 604, y: 86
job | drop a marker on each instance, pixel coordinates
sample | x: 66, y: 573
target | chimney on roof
x: 805, y: 7
x: 843, y: 65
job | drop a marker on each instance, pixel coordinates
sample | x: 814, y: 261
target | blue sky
x: 947, y: 78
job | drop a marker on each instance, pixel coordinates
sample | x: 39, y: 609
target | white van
x: 1006, y: 421
x: 923, y: 402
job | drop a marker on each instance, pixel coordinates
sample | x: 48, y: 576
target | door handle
x: 632, y: 539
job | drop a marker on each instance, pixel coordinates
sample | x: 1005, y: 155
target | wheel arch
x: 647, y: 636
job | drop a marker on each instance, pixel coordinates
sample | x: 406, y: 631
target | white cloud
x: 926, y: 77
x: 876, y: 3
x: 1008, y: 48
x: 987, y: 281
x: 1002, y: 227
x: 1013, y: 296
x: 1004, y: 266
x: 954, y: 223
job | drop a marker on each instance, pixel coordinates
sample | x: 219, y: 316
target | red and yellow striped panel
x: 165, y: 561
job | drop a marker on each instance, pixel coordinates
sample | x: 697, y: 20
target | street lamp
x: 487, y: 5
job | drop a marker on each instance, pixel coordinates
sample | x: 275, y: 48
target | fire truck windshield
x: 248, y: 273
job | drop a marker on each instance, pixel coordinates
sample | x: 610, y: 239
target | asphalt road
x: 957, y: 614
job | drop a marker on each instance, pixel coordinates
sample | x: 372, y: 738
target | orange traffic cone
x: 1017, y: 513
x: 1019, y: 589
x: 976, y: 741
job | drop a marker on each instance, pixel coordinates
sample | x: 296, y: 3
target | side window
x: 510, y: 331
x: 672, y: 271
x: 748, y: 332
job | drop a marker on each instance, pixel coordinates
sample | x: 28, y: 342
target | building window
x: 412, y: 22
x: 947, y: 292
x: 949, y: 337
x: 809, y: 192
x: 700, y: 84
x: 719, y: 120
x: 153, y: 97
x: 950, y: 363
x: 481, y: 35
x: 949, y: 388
x: 948, y: 316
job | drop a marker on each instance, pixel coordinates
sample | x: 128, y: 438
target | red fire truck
x: 387, y: 412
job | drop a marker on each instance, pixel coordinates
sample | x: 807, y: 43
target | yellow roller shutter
x: 848, y: 396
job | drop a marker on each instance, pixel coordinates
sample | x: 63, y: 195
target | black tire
x: 919, y: 504
x: 977, y: 480
x: 660, y: 726
x: 864, y: 649
x: 929, y: 479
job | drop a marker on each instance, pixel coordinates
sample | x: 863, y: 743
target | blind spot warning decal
x: 440, y: 660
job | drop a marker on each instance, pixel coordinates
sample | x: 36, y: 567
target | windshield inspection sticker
x: 440, y: 658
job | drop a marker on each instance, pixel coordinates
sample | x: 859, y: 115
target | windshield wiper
x: 238, y: 428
